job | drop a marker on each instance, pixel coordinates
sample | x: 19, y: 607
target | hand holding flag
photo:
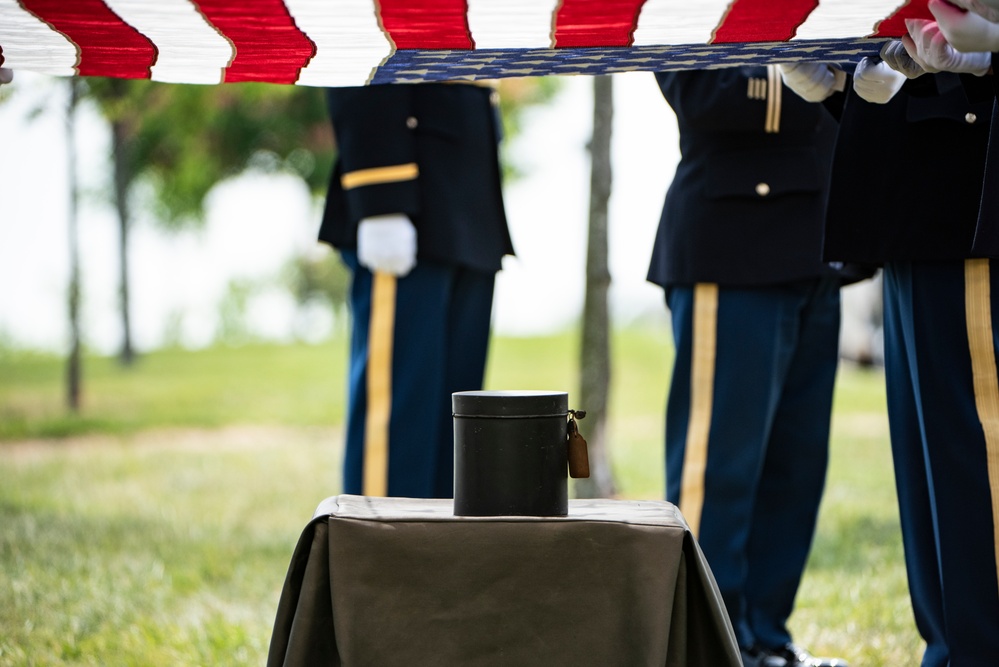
x: 929, y: 47
x: 875, y: 81
x: 966, y: 31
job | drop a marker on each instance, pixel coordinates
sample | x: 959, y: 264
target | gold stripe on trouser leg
x: 978, y: 312
x: 376, y: 424
x: 702, y: 386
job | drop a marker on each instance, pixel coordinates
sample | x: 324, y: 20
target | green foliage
x: 234, y: 328
x: 180, y: 140
x: 517, y: 95
x: 184, y: 139
x: 319, y: 277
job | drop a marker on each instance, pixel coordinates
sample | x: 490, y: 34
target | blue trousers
x: 747, y: 437
x: 943, y: 411
x: 438, y: 339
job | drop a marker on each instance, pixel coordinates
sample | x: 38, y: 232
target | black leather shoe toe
x: 755, y: 656
x: 795, y: 656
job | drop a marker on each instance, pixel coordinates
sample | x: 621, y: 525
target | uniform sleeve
x: 739, y: 99
x: 377, y: 158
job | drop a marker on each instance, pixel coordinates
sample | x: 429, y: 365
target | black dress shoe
x: 795, y: 656
x: 754, y: 656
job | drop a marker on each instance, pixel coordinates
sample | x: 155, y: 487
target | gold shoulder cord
x: 775, y: 89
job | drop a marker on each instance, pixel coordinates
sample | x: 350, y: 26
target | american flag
x: 358, y: 42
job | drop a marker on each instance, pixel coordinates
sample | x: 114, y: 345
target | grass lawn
x: 157, y: 528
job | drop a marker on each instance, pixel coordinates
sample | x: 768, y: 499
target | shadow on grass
x: 16, y: 425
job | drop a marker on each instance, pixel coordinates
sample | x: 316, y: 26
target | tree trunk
x: 595, y: 363
x: 73, y: 370
x: 122, y: 178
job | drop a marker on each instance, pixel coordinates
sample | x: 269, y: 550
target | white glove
x: 876, y: 82
x: 966, y: 31
x: 928, y: 47
x: 988, y: 9
x: 813, y: 82
x: 896, y: 57
x: 6, y: 75
x: 387, y: 243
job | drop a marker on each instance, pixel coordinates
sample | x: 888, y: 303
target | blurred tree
x: 595, y: 362
x: 317, y: 279
x: 233, y: 326
x: 318, y: 276
x: 74, y: 373
x: 181, y: 140
x: 172, y: 143
x: 74, y: 361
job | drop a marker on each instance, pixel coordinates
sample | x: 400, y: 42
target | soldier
x: 756, y: 319
x: 415, y: 208
x: 905, y: 190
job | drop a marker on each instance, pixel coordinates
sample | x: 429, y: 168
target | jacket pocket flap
x: 762, y: 174
x: 952, y: 105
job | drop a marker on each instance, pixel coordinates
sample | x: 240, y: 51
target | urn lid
x: 510, y: 403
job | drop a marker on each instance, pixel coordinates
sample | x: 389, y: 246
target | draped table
x: 400, y: 581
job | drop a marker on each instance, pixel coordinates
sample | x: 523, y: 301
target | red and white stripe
x: 189, y: 49
x: 31, y: 44
x: 343, y: 42
x: 501, y: 24
x: 840, y: 19
x: 107, y: 46
x: 349, y: 42
x: 678, y: 21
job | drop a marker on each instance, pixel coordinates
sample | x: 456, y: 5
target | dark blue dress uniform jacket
x: 886, y: 187
x: 987, y: 234
x: 746, y: 206
x: 433, y: 158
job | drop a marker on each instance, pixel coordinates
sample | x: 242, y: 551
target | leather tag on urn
x: 579, y: 460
